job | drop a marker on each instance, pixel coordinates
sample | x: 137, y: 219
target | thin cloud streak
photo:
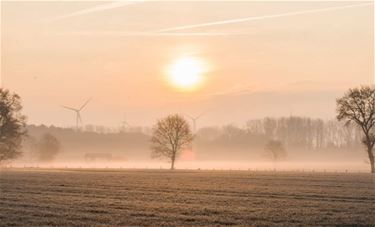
x: 151, y: 34
x: 293, y: 86
x: 99, y: 8
x: 247, y: 19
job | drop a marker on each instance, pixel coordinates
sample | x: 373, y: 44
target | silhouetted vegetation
x: 12, y: 125
x: 80, y: 146
x: 358, y: 106
x: 47, y: 148
x: 170, y: 136
x: 275, y: 151
x: 299, y: 136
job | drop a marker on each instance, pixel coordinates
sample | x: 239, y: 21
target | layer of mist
x: 311, y: 145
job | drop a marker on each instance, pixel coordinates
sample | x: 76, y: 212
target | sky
x: 263, y: 58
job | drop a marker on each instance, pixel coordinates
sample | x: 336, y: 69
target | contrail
x: 101, y: 7
x: 152, y: 34
x: 246, y: 19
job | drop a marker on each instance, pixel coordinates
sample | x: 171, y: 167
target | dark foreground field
x: 183, y: 198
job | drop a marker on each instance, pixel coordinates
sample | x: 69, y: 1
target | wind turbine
x: 125, y: 125
x: 194, y: 119
x: 78, y: 112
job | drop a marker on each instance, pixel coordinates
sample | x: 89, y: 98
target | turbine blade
x: 69, y: 108
x: 83, y: 106
x: 200, y: 115
x: 187, y: 115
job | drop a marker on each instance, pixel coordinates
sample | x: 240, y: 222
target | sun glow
x: 187, y: 73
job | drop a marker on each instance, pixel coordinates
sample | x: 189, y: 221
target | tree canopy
x: 48, y: 147
x: 12, y: 125
x: 275, y: 150
x: 358, y: 106
x: 170, y: 136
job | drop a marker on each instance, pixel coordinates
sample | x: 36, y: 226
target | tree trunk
x: 172, y: 165
x: 371, y: 157
x: 172, y: 161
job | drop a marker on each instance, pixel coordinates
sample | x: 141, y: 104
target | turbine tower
x: 194, y: 119
x: 78, y: 112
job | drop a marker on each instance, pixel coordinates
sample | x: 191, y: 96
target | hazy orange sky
x: 285, y: 57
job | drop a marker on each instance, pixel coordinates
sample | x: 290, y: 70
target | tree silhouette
x: 358, y: 106
x: 48, y: 147
x: 12, y: 125
x: 275, y: 150
x: 170, y: 136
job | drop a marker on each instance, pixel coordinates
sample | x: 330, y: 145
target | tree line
x: 172, y: 134
x: 307, y: 133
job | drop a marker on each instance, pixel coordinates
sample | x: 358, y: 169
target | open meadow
x: 88, y: 197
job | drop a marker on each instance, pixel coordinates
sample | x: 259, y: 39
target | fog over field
x: 187, y: 113
x: 240, y: 77
x: 329, y: 146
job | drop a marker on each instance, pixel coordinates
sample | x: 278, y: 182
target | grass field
x: 184, y: 198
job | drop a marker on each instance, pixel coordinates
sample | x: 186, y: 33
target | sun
x: 186, y: 73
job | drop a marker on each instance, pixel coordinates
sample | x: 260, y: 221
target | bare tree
x: 12, y: 125
x: 275, y: 150
x: 358, y: 106
x: 269, y: 125
x: 170, y: 136
x: 48, y: 147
